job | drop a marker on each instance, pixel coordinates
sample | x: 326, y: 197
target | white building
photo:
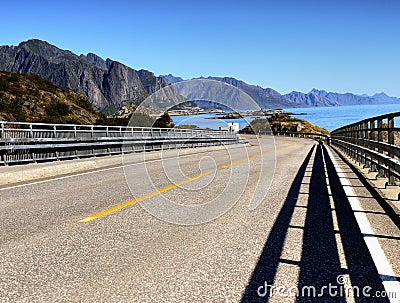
x: 233, y: 127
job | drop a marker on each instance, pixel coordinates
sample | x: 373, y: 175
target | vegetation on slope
x: 284, y: 123
x: 30, y: 98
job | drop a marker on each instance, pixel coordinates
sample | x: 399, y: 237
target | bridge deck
x: 76, y: 239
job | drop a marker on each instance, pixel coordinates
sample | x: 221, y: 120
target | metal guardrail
x: 371, y: 142
x: 290, y: 134
x: 305, y: 135
x: 32, y: 142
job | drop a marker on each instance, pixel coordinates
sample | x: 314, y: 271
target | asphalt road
x: 217, y: 226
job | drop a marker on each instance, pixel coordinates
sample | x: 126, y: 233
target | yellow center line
x: 239, y: 161
x: 159, y: 191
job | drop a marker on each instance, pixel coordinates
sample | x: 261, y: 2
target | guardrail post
x: 391, y: 179
x: 31, y: 136
x: 359, y: 136
x: 92, y: 136
x: 55, y: 136
x: 75, y: 136
x: 381, y: 172
x: 391, y: 133
x: 355, y: 135
x: 368, y: 136
x: 30, y: 131
x: 2, y: 134
x: 120, y: 135
x: 108, y: 147
x: 364, y: 136
x: 350, y: 136
x: 375, y: 137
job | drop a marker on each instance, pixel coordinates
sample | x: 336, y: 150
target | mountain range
x: 106, y: 83
x: 109, y: 84
x: 265, y: 97
x: 269, y: 98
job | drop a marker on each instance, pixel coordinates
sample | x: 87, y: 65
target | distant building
x: 233, y: 127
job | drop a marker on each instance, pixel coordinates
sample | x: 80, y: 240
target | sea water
x: 326, y: 117
x: 335, y: 117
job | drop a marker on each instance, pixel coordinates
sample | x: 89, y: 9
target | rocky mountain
x: 323, y: 98
x: 309, y: 100
x: 269, y: 98
x: 385, y: 98
x: 171, y: 79
x: 109, y: 85
x: 349, y: 98
x: 265, y: 97
x: 30, y: 98
x: 106, y: 83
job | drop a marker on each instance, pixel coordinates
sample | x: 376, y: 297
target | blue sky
x: 343, y: 46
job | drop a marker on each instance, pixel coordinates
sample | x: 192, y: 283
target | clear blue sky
x: 337, y: 45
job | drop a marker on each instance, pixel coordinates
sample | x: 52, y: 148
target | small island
x: 257, y: 113
x: 283, y: 122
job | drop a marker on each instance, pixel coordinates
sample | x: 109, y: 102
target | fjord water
x: 207, y: 121
x: 335, y: 117
x: 326, y: 117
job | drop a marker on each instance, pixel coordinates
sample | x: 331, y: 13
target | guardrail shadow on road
x: 320, y: 262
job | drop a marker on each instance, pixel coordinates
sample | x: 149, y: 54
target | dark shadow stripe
x: 269, y: 259
x: 320, y: 263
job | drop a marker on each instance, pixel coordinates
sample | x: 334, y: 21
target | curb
x: 33, y: 171
x: 391, y: 210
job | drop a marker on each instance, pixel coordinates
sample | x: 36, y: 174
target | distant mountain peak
x: 310, y: 99
x: 318, y: 91
x: 264, y: 97
x: 385, y: 98
x: 381, y: 94
x: 97, y: 61
x: 171, y: 79
x: 34, y: 41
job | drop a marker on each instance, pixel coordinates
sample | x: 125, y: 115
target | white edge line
x: 378, y: 255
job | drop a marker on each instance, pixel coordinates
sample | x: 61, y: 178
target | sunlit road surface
x: 89, y: 238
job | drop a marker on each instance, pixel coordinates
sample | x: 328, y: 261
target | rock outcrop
x: 106, y: 83
x: 30, y: 98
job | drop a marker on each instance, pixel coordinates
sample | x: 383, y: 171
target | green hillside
x: 30, y: 98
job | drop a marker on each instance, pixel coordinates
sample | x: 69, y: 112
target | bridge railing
x: 32, y: 142
x: 304, y: 135
x: 288, y: 134
x: 373, y: 143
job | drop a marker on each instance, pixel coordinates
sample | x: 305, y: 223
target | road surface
x: 190, y: 229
